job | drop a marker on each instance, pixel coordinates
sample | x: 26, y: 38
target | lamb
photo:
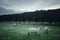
x: 15, y: 24
x: 34, y: 30
x: 46, y: 29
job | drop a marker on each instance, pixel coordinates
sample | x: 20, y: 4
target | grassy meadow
x: 11, y: 31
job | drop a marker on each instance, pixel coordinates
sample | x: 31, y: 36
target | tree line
x: 36, y: 16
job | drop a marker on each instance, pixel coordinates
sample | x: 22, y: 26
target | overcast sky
x: 29, y: 5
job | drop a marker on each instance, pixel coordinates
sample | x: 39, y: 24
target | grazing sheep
x: 14, y: 24
x: 34, y: 30
x: 46, y: 30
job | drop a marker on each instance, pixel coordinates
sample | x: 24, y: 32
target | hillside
x: 42, y: 15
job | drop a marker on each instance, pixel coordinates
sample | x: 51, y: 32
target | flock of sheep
x: 37, y: 30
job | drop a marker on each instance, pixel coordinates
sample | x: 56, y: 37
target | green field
x: 10, y: 31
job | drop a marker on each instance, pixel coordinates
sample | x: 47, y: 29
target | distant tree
x: 37, y: 16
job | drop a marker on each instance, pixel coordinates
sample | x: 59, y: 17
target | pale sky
x: 29, y: 5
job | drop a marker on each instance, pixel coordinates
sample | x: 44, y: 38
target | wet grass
x: 9, y: 31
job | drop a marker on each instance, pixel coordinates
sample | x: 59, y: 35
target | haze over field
x: 10, y: 31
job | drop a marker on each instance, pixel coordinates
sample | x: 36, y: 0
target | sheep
x: 15, y: 24
x: 46, y: 29
x: 34, y: 30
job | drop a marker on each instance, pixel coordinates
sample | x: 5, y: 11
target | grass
x: 9, y: 31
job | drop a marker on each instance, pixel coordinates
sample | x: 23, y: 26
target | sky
x: 29, y: 5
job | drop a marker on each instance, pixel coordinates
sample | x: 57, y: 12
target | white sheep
x: 15, y: 23
x: 34, y: 30
x: 46, y: 29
